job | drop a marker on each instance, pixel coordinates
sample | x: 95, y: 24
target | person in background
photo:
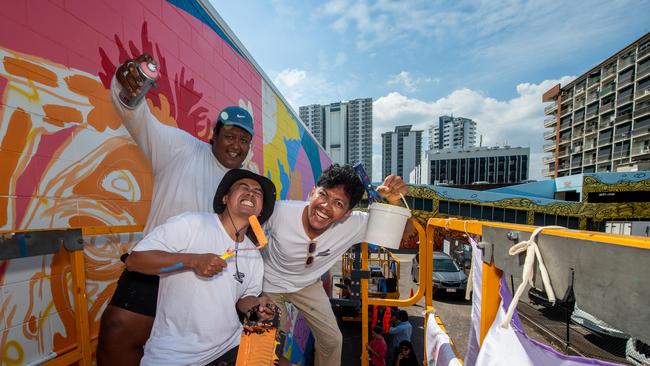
x: 186, y: 173
x: 377, y: 347
x: 406, y: 355
x: 400, y: 330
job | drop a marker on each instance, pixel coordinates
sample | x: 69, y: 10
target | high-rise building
x: 452, y: 133
x: 344, y: 129
x: 312, y: 116
x: 601, y: 120
x: 489, y: 165
x: 401, y: 151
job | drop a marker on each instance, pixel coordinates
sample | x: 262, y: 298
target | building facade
x: 493, y: 165
x: 601, y: 120
x: 401, y: 151
x: 344, y: 129
x: 452, y: 133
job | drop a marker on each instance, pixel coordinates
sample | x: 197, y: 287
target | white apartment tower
x: 401, y: 151
x: 452, y: 133
x: 344, y: 129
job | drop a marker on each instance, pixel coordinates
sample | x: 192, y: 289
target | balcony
x: 593, y: 113
x: 565, y: 111
x: 642, y: 111
x: 563, y: 166
x: 549, y: 109
x: 576, y: 163
x: 625, y: 81
x: 625, y: 62
x: 577, y: 134
x: 608, y: 73
x: 593, y: 82
x: 549, y: 147
x: 590, y: 145
x: 640, y: 94
x: 580, y: 90
x: 623, y: 99
x: 607, y: 90
x: 624, y: 117
x: 579, y: 117
x: 640, y: 131
x: 621, y: 136
x: 548, y: 172
x: 564, y: 125
x: 640, y: 150
x: 548, y: 159
x: 563, y: 152
x: 550, y: 122
x: 606, y: 123
x: 605, y: 141
x: 607, y: 107
x: 642, y: 72
x: 593, y: 97
x: 590, y: 129
x: 589, y: 160
x: 603, y: 158
x: 548, y: 135
x: 643, y: 53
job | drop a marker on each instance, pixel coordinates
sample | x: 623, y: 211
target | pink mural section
x: 67, y: 161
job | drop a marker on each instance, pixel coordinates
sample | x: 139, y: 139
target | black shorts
x: 137, y: 292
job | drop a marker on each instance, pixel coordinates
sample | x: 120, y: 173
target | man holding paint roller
x: 186, y: 174
x: 306, y: 239
x: 196, y: 316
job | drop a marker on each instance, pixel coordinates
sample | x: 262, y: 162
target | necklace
x: 239, y: 276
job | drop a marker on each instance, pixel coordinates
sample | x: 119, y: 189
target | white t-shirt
x: 186, y: 172
x: 196, y: 318
x: 286, y: 254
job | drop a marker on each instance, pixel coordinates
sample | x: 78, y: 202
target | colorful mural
x: 67, y: 161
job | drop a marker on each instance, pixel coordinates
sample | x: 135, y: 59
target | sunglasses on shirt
x: 310, y: 254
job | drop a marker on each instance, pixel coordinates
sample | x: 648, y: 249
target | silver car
x: 447, y: 276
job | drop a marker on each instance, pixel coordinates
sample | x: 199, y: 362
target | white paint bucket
x: 386, y: 224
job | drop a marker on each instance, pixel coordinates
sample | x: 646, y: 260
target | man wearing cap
x: 196, y: 318
x: 186, y: 174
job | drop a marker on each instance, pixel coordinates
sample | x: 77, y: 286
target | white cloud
x: 303, y: 87
x: 516, y: 122
x: 408, y: 82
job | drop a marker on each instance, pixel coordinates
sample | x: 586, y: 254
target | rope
x: 532, y: 252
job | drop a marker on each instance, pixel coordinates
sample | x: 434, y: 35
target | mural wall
x: 67, y: 161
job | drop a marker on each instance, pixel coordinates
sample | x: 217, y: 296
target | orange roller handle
x: 257, y: 229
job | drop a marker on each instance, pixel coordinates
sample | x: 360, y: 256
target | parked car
x: 447, y: 276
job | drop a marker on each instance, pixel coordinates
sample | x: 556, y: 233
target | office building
x: 601, y: 120
x: 401, y: 151
x: 484, y: 165
x: 452, y: 133
x: 344, y: 129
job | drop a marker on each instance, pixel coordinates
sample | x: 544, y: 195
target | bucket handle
x: 404, y: 200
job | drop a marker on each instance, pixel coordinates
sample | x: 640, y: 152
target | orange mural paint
x: 15, y: 139
x: 103, y: 115
x: 58, y: 114
x: 30, y: 71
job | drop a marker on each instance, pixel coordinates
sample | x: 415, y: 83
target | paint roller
x: 259, y: 234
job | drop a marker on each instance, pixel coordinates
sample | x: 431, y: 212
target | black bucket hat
x: 268, y: 203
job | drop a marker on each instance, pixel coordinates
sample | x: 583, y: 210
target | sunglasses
x: 310, y: 254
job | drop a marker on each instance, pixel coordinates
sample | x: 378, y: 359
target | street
x: 453, y: 311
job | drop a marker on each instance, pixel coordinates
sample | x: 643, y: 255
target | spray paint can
x: 373, y: 195
x: 148, y: 72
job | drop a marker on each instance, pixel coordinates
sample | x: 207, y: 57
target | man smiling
x: 196, y: 317
x: 186, y: 173
x: 306, y: 239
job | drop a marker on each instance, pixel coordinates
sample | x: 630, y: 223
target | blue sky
x: 487, y: 60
